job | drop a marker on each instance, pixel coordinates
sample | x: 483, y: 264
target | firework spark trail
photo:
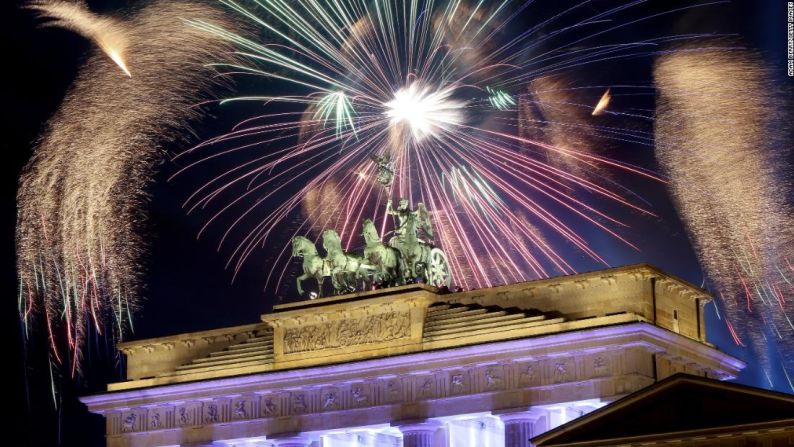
x: 718, y: 131
x: 602, y: 104
x: 109, y: 34
x: 432, y: 86
x: 81, y: 196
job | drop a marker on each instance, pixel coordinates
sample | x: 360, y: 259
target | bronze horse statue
x: 314, y: 266
x: 385, y: 259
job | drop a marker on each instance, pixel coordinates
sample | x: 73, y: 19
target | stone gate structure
x: 411, y: 366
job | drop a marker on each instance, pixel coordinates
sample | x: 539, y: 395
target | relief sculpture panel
x: 348, y: 332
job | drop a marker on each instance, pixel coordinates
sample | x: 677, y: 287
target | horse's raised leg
x: 299, y: 280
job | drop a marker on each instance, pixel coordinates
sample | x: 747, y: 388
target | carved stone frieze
x: 466, y: 380
x: 330, y: 399
x: 494, y: 377
x: 348, y: 332
x: 269, y: 406
x: 425, y: 386
x: 458, y: 383
x: 528, y: 374
x: 298, y: 403
x: 538, y: 378
x: 185, y: 415
x: 241, y: 409
x: 600, y: 365
x: 561, y: 370
x: 394, y: 391
x: 129, y: 422
x: 211, y: 413
x: 599, y: 362
x: 155, y: 420
x: 359, y: 396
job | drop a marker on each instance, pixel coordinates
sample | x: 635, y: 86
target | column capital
x: 519, y: 414
x: 519, y: 425
x: 418, y: 433
x: 417, y: 425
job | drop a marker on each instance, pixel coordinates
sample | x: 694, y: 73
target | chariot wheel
x: 438, y: 273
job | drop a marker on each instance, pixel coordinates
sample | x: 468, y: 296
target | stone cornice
x: 353, y: 297
x: 579, y: 342
x: 641, y: 271
x: 168, y: 342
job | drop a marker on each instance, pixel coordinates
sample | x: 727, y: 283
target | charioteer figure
x: 413, y: 238
x: 417, y: 221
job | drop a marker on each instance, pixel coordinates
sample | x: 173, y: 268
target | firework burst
x: 438, y: 89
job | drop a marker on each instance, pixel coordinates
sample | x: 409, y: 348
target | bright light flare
x: 107, y: 33
x: 115, y: 56
x: 425, y: 112
x: 602, y: 103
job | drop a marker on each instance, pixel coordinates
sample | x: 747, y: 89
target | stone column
x: 291, y: 441
x: 419, y: 434
x: 519, y: 427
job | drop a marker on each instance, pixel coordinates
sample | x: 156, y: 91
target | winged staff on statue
x: 409, y: 257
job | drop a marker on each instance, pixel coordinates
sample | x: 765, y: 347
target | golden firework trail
x: 719, y: 136
x: 81, y: 196
x: 602, y: 104
x: 109, y: 34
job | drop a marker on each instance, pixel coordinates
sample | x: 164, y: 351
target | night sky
x: 187, y: 288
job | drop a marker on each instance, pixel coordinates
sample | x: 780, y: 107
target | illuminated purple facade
x: 410, y: 366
